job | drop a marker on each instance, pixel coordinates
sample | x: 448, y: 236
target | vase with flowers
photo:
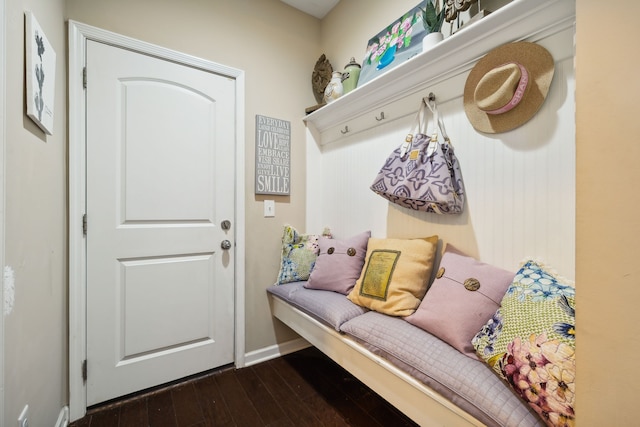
x: 381, y: 50
x: 433, y: 20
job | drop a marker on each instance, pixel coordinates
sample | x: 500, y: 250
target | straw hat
x: 507, y: 86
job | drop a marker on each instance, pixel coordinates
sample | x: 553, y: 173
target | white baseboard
x: 271, y: 352
x: 63, y: 417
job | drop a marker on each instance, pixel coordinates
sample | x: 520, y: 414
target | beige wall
x: 36, y: 229
x: 607, y: 224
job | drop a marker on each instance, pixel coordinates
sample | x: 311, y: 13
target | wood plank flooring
x: 300, y: 389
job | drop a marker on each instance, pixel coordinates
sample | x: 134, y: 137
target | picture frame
x: 40, y: 74
x: 395, y: 44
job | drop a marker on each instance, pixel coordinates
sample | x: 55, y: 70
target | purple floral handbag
x: 423, y: 174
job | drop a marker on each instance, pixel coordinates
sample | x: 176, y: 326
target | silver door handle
x: 225, y: 244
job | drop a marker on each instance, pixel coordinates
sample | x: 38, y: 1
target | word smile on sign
x: 273, y: 156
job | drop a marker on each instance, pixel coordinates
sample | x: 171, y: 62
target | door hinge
x: 84, y: 77
x: 84, y: 370
x: 84, y: 224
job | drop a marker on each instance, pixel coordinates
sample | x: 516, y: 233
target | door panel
x: 179, y: 144
x: 143, y: 277
x: 160, y: 168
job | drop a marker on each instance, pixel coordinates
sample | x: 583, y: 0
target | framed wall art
x: 41, y: 74
x: 398, y: 42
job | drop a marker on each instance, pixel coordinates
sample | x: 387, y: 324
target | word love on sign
x: 273, y: 156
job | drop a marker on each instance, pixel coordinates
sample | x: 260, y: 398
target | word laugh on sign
x: 273, y: 155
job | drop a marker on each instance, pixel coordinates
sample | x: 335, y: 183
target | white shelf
x: 360, y: 109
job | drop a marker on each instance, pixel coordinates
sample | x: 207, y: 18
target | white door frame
x: 78, y: 35
x: 3, y: 73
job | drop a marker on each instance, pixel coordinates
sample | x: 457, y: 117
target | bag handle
x: 438, y: 122
x: 418, y: 122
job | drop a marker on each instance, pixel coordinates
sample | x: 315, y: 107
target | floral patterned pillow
x: 299, y: 253
x: 530, y: 342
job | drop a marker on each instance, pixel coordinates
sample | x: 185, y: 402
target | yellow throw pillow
x: 396, y: 275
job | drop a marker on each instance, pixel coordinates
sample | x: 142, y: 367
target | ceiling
x: 317, y: 8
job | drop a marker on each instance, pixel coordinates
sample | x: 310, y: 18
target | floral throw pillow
x: 299, y: 253
x: 530, y: 342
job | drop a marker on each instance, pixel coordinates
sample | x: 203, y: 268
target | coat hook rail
x: 345, y: 130
x: 381, y: 116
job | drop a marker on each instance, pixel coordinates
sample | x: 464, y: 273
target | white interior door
x: 160, y: 156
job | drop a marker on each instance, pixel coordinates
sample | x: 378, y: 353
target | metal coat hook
x: 431, y: 97
x: 345, y: 130
x: 381, y: 116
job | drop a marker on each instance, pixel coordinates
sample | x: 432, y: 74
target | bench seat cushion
x: 468, y: 383
x: 329, y: 307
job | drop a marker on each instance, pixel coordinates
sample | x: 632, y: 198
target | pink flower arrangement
x: 397, y: 36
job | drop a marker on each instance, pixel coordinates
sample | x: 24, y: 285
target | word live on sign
x: 273, y: 156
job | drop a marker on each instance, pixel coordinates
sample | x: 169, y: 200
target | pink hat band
x: 518, y: 94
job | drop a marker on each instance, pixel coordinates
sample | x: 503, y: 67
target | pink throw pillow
x: 463, y: 297
x: 339, y: 264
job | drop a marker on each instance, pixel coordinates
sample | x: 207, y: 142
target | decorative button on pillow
x: 339, y: 263
x: 396, y: 275
x: 299, y: 253
x: 463, y: 297
x: 530, y: 342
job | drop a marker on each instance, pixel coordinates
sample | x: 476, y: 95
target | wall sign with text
x: 273, y: 156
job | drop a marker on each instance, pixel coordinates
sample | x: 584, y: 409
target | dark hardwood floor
x: 301, y: 389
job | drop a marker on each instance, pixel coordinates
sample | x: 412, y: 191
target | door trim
x: 3, y: 70
x: 78, y: 35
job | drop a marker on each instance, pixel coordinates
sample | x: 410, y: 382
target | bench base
x: 416, y: 400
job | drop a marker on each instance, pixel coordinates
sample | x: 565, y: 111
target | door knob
x: 225, y: 244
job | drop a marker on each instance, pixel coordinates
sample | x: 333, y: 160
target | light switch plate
x: 269, y: 208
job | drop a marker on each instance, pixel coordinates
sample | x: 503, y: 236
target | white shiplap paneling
x: 520, y: 185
